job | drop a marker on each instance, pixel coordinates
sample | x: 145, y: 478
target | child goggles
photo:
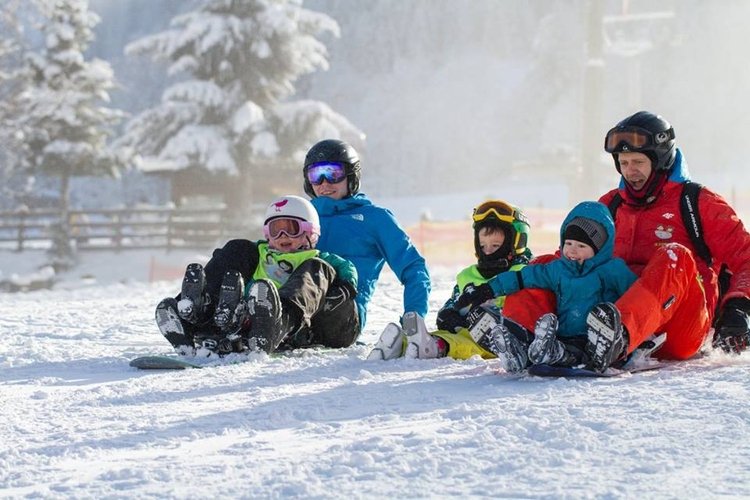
x: 634, y: 139
x: 497, y: 210
x: 332, y: 172
x: 292, y: 228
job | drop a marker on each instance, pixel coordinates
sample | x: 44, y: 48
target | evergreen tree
x: 65, y: 124
x: 229, y: 113
x: 12, y: 82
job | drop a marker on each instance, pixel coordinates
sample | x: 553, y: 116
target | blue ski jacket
x: 577, y: 287
x: 369, y: 236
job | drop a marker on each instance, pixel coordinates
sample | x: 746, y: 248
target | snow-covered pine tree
x: 229, y: 113
x: 65, y: 124
x: 12, y: 82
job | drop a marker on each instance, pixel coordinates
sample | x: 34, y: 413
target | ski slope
x: 78, y: 422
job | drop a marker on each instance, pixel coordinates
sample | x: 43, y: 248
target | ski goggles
x: 634, y: 139
x: 497, y: 210
x: 332, y: 172
x: 292, y: 228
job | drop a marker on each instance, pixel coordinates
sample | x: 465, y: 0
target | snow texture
x: 77, y: 421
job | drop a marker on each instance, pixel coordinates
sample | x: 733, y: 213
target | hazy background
x: 490, y: 96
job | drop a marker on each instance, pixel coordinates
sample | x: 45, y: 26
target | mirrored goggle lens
x: 291, y: 227
x: 328, y: 171
x: 500, y: 211
x: 632, y: 138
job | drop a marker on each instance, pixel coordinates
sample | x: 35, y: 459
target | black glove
x: 474, y: 296
x: 450, y: 320
x: 732, y: 329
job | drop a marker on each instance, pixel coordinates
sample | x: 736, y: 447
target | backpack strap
x: 691, y: 217
x: 614, y: 204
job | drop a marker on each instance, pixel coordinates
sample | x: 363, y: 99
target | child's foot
x: 169, y: 324
x: 264, y: 310
x: 607, y: 339
x: 193, y: 299
x: 545, y: 348
x: 509, y: 349
x: 226, y: 315
x: 390, y: 345
x: 419, y: 343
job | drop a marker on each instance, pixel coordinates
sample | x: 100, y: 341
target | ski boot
x: 169, y: 324
x: 419, y: 343
x: 264, y: 310
x: 547, y: 349
x: 390, y: 345
x: 220, y: 345
x: 194, y: 301
x: 229, y: 316
x: 607, y: 339
x: 510, y: 348
x: 481, y: 322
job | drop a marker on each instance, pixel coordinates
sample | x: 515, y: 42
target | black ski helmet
x: 646, y: 133
x: 334, y: 150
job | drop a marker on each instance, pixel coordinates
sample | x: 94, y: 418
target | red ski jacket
x: 640, y: 229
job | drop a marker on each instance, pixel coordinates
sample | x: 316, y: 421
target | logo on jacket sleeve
x: 358, y: 217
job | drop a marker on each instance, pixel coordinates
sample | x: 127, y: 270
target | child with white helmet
x: 296, y: 296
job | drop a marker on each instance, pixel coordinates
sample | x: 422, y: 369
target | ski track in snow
x: 77, y: 421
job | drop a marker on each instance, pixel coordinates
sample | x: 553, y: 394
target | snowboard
x: 176, y: 362
x: 564, y: 371
x: 164, y: 362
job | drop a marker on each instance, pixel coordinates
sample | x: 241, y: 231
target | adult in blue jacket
x: 356, y: 229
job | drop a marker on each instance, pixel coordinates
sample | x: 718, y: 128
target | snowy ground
x: 78, y: 422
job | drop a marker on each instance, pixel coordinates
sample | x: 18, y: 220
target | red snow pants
x: 667, y: 297
x: 527, y: 305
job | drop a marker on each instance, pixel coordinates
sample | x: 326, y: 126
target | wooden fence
x: 118, y: 229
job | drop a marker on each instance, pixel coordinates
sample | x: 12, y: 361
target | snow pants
x: 667, y: 297
x: 325, y: 306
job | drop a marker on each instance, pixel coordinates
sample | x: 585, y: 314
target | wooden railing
x: 118, y: 229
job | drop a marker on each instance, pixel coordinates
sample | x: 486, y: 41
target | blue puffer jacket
x: 369, y: 236
x: 578, y: 287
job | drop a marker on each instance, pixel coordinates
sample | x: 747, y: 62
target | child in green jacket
x: 500, y: 241
x: 296, y: 296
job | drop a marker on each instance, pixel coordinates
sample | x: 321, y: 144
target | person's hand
x: 450, y: 320
x: 474, y: 296
x: 732, y: 329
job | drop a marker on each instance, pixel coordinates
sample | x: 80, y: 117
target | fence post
x: 169, y: 229
x: 118, y: 231
x: 22, y: 213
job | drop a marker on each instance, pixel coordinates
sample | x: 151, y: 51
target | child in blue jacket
x: 356, y: 229
x: 584, y: 275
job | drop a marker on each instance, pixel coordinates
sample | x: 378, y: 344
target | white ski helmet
x: 294, y: 207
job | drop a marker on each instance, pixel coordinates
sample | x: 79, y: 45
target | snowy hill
x: 78, y: 422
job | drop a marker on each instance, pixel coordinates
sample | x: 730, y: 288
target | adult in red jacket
x: 677, y: 291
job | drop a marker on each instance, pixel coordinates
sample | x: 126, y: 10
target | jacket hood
x: 599, y: 213
x: 329, y: 206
